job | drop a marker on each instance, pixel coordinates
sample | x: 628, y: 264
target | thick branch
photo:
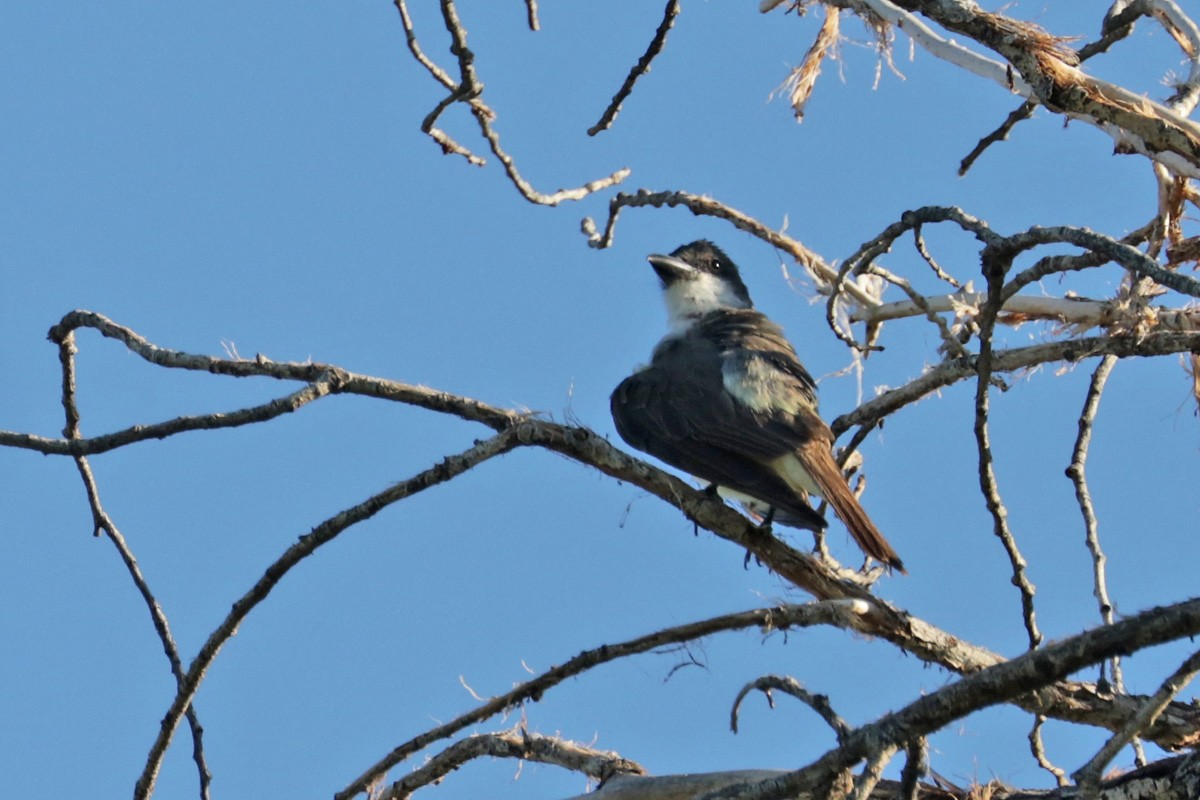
x: 1044, y: 69
x: 1026, y: 673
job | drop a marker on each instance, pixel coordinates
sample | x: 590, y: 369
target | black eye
x: 716, y: 265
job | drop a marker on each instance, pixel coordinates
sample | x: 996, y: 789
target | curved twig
x: 789, y: 685
x: 1037, y: 748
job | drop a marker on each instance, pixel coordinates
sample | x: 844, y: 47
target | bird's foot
x: 711, y: 491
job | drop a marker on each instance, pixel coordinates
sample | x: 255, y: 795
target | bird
x: 726, y: 399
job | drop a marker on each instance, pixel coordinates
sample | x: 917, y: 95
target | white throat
x: 689, y: 300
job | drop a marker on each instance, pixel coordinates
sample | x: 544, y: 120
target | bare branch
x: 673, y: 787
x: 1077, y: 313
x: 1145, y: 782
x: 951, y: 345
x: 994, y: 270
x: 838, y: 614
x: 788, y: 685
x: 1076, y: 471
x: 157, y: 616
x: 1011, y: 360
x: 639, y: 69
x: 1015, y: 117
x: 1101, y: 247
x: 919, y: 243
x: 1115, y: 28
x: 1071, y: 701
x: 862, y: 261
x: 1039, y: 67
x: 872, y: 772
x: 78, y: 446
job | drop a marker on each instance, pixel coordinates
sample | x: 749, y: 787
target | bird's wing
x: 773, y: 398
x: 685, y: 418
x: 775, y: 416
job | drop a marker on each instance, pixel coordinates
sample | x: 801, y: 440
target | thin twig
x: 1076, y: 471
x: 996, y: 262
x: 95, y: 445
x: 1102, y: 248
x: 1039, y: 66
x: 639, y: 69
x: 469, y: 89
x: 518, y: 743
x: 862, y: 259
x: 1038, y: 748
x: 1016, y: 116
x: 414, y: 46
x: 951, y: 345
x: 919, y: 243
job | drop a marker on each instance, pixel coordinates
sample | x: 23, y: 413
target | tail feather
x: 819, y: 463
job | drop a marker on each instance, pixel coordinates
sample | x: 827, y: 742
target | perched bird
x: 725, y: 399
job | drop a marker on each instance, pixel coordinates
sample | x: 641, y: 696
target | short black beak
x: 670, y: 268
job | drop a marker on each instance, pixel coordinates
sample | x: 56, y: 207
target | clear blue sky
x: 255, y: 174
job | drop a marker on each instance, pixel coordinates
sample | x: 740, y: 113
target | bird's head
x: 698, y: 278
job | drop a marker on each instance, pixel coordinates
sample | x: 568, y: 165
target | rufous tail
x: 819, y: 463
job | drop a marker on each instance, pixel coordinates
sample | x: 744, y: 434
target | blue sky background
x: 255, y: 174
